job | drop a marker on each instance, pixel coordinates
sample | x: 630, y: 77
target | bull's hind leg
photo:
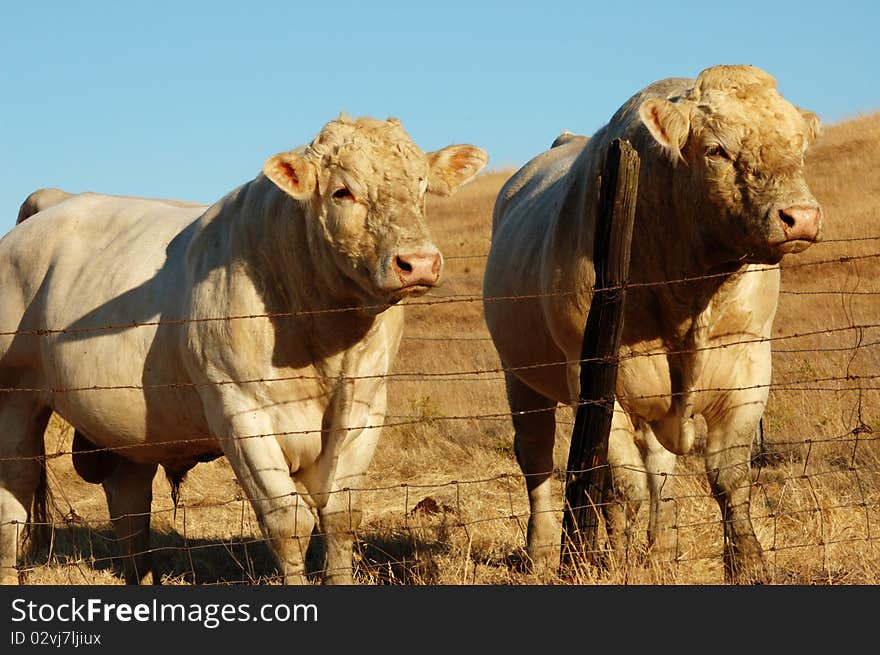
x: 339, y: 520
x: 129, y: 490
x: 534, y: 422
x: 22, y: 423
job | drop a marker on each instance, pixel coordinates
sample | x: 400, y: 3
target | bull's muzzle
x: 417, y: 269
x: 800, y: 222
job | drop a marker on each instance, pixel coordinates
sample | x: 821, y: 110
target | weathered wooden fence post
x: 588, y: 455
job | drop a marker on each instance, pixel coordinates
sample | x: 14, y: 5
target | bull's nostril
x: 786, y: 218
x: 403, y: 265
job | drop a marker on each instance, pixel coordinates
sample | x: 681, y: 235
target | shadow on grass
x: 379, y: 558
x: 189, y: 561
x: 398, y: 558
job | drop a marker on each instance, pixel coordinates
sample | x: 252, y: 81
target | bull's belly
x: 122, y: 397
x: 725, y: 375
x: 525, y: 346
x: 156, y: 429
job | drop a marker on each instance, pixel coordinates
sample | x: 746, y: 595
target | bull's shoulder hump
x: 39, y: 200
x: 567, y: 138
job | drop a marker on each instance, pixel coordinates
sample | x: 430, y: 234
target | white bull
x: 143, y: 296
x: 722, y: 197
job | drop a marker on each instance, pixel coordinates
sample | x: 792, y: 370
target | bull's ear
x: 814, y: 125
x: 667, y: 123
x: 453, y: 166
x: 292, y: 173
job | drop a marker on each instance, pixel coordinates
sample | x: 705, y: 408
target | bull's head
x: 742, y: 148
x: 363, y: 183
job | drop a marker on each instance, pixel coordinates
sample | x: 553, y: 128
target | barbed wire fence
x: 815, y: 499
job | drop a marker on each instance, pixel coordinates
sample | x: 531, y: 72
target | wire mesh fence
x: 815, y: 499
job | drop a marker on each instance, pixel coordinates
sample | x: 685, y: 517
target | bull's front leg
x: 339, y: 520
x: 660, y: 466
x: 339, y: 510
x: 255, y: 455
x: 728, y: 454
x: 350, y: 436
x: 641, y: 469
x: 629, y: 487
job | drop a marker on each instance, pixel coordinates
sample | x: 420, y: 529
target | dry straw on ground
x: 449, y: 505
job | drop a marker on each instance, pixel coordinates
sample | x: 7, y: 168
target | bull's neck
x: 289, y: 264
x: 672, y: 263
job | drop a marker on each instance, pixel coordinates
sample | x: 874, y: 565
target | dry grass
x: 816, y: 502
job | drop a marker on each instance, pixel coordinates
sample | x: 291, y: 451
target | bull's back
x: 43, y: 199
x: 87, y: 250
x: 519, y: 276
x: 525, y: 194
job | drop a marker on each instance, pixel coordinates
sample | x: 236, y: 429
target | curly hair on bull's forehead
x: 733, y: 79
x: 385, y: 140
x: 742, y: 108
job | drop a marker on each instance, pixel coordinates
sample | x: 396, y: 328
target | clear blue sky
x: 187, y: 99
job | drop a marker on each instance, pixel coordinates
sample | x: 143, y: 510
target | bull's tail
x: 175, y: 478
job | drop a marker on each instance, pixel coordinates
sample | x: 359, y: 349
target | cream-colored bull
x: 722, y: 197
x: 318, y: 251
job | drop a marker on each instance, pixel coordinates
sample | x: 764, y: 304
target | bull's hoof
x: 338, y: 578
x: 296, y: 578
x: 543, y: 560
x: 746, y: 572
x: 662, y: 558
x: 148, y: 578
x: 751, y: 576
x: 8, y: 575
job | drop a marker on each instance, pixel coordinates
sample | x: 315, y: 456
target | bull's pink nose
x: 801, y: 222
x: 418, y: 268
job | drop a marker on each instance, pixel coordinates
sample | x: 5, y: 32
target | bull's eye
x: 717, y: 152
x: 342, y: 193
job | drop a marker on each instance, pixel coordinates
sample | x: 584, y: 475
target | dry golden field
x: 446, y: 504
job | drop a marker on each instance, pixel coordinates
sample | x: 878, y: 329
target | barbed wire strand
x: 441, y: 300
x: 860, y: 436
